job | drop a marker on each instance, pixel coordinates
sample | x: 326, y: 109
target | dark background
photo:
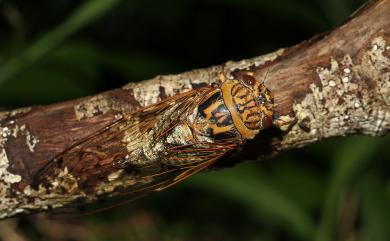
x: 54, y: 50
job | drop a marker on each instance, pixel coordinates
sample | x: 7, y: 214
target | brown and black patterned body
x: 170, y: 140
x: 216, y: 115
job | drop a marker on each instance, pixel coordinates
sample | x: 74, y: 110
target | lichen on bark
x: 342, y: 102
x: 332, y: 85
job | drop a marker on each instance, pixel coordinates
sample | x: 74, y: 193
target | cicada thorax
x: 214, y: 119
x: 237, y: 108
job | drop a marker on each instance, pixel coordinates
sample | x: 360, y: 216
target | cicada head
x: 250, y: 104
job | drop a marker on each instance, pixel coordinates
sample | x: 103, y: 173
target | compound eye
x: 248, y: 80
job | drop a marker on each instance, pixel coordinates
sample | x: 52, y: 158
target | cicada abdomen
x: 170, y: 140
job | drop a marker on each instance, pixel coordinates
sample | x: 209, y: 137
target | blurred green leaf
x: 248, y: 187
x: 90, y: 59
x: 78, y: 53
x: 375, y: 207
x: 138, y: 65
x: 348, y: 163
x: 335, y: 10
x: 286, y: 9
x: 71, y: 70
x: 82, y: 16
x: 48, y: 85
x: 292, y: 178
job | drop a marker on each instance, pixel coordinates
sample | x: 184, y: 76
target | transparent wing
x: 103, y: 152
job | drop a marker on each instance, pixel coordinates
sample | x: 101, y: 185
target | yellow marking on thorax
x: 219, y: 116
x: 220, y: 129
x: 229, y: 102
x: 209, y: 110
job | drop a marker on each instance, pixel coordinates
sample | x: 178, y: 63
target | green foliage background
x: 52, y: 51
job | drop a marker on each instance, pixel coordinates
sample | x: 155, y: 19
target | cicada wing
x: 167, y: 176
x: 163, y: 176
x: 176, y: 168
x: 103, y: 152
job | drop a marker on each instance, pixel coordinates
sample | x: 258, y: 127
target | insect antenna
x: 269, y: 69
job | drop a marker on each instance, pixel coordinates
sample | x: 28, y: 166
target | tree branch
x: 335, y: 84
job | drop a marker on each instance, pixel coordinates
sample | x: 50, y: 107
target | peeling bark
x: 332, y: 85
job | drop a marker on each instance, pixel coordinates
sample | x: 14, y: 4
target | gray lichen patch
x: 377, y: 65
x: 4, y: 115
x: 246, y: 64
x: 31, y: 141
x: 20, y: 111
x: 150, y: 91
x: 101, y: 104
x: 63, y: 181
x: 62, y: 191
x: 115, y: 175
x: 17, y: 131
x: 6, y: 178
x: 92, y: 106
x: 343, y: 102
x: 284, y: 122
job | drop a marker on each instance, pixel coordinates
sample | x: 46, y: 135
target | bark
x: 335, y: 84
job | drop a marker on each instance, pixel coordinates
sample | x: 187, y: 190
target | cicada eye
x: 248, y: 80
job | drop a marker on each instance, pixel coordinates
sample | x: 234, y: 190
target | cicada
x: 170, y: 140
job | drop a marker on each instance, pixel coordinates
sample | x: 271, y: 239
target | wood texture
x: 334, y: 84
